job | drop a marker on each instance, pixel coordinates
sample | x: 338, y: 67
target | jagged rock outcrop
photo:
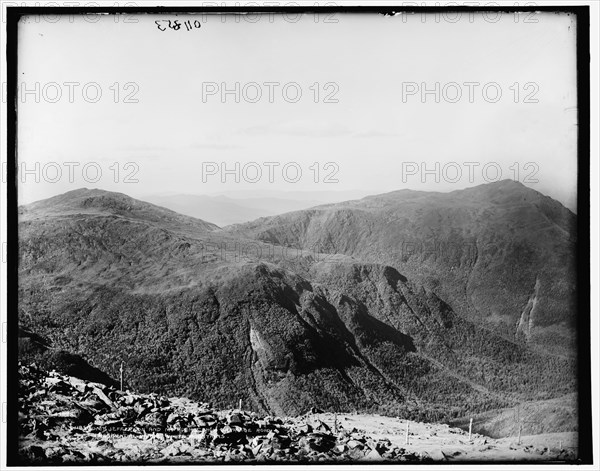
x: 480, y: 249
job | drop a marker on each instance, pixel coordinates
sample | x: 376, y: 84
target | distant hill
x: 84, y: 202
x: 246, y: 205
x: 225, y: 211
x: 110, y: 279
x: 502, y: 253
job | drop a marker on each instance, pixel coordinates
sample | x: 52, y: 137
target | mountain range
x: 342, y: 306
x: 500, y: 253
x: 243, y: 206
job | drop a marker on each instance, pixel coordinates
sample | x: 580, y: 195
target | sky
x: 322, y: 103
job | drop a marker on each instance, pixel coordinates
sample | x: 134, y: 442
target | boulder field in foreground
x: 66, y: 420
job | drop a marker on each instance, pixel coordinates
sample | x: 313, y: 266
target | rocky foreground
x: 66, y: 420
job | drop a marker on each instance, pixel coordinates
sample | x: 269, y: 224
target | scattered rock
x: 67, y: 420
x: 373, y: 455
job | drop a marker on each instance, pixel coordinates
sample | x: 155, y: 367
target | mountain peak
x: 102, y: 202
x: 500, y: 185
x: 78, y: 198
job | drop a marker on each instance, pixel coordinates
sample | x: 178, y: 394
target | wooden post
x: 560, y: 445
x: 121, y: 371
x: 335, y: 422
x: 519, y: 422
x: 240, y: 408
x: 470, y: 427
x: 406, y: 439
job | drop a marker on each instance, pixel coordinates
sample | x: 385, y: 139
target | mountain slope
x: 113, y: 279
x: 99, y: 202
x: 502, y: 254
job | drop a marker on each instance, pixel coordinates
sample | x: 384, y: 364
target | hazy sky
x: 369, y: 128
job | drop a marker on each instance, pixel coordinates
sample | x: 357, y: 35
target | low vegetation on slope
x: 502, y: 254
x: 528, y: 418
x: 120, y: 284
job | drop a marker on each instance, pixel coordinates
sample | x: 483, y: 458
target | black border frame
x: 583, y: 189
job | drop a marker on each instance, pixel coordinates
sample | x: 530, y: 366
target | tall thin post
x: 406, y: 439
x: 519, y: 422
x: 470, y: 427
x: 121, y: 371
x: 240, y: 408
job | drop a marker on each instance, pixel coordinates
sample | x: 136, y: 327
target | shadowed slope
x: 501, y: 253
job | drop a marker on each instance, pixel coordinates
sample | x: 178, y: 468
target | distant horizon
x: 279, y: 193
x: 321, y: 108
x: 45, y: 191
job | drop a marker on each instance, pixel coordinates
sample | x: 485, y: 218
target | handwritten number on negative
x: 175, y: 25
